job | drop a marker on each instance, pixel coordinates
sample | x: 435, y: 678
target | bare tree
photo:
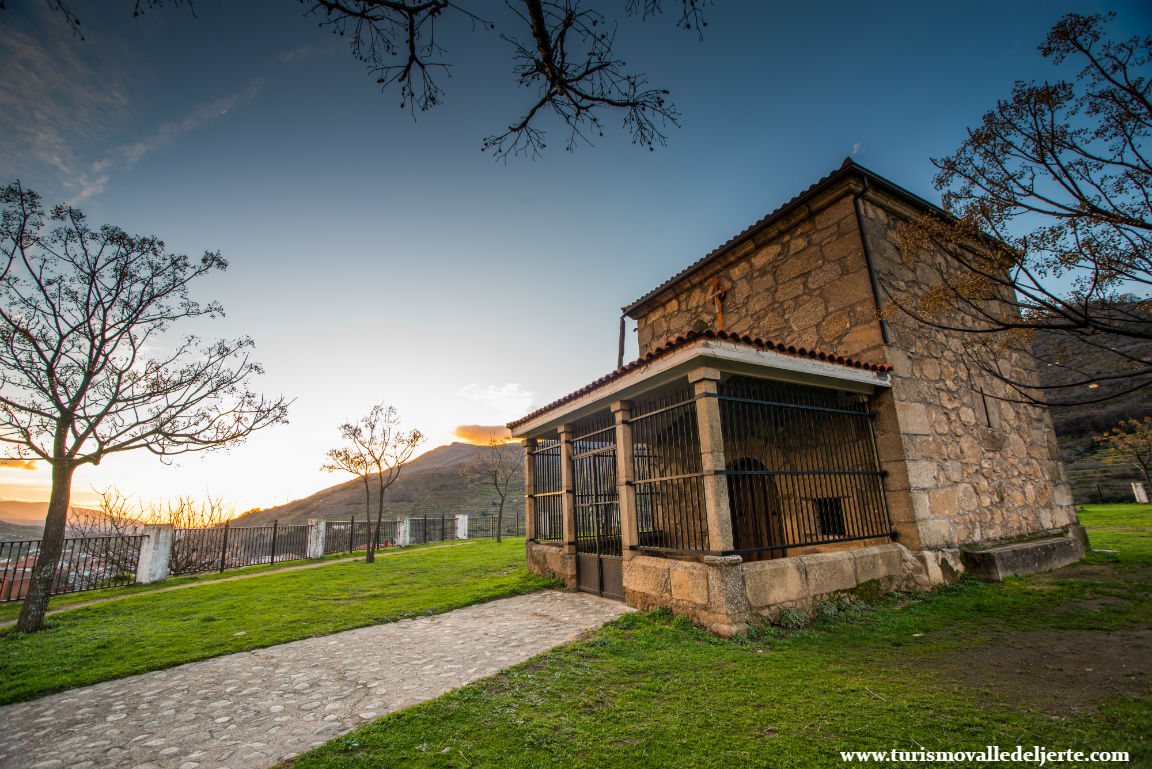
x: 499, y: 465
x: 1130, y: 443
x: 89, y: 366
x: 384, y: 449
x: 194, y: 550
x: 115, y: 516
x: 352, y: 460
x: 1049, y: 222
x: 563, y: 52
x: 108, y: 526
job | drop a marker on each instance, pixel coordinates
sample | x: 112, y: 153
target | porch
x: 722, y: 477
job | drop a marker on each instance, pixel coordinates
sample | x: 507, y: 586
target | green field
x: 1059, y: 660
x: 151, y: 631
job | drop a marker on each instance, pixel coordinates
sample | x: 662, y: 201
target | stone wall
x: 552, y: 561
x: 804, y: 282
x: 979, y: 468
x: 725, y: 595
x: 962, y: 468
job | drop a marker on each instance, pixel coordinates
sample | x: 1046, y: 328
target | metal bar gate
x: 599, y: 566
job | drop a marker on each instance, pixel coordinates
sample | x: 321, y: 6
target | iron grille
x: 87, y: 563
x: 548, y: 495
x: 594, y: 480
x: 670, y: 513
x: 802, y: 466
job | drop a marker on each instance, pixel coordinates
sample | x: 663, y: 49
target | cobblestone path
x: 253, y: 709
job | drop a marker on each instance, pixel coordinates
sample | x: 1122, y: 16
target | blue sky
x: 378, y: 258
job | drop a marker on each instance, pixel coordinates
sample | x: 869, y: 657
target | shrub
x: 826, y: 610
x: 850, y: 605
x: 793, y: 619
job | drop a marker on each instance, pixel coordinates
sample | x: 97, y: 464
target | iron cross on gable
x: 717, y: 299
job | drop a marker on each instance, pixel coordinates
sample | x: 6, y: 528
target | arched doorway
x: 755, y: 507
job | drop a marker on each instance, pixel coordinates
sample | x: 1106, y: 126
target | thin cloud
x: 63, y: 106
x: 133, y: 153
x: 481, y: 435
x: 504, y: 392
x: 499, y: 403
x: 19, y: 464
x: 56, y: 106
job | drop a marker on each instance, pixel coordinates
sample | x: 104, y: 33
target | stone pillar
x: 529, y: 489
x: 316, y: 531
x: 625, y: 475
x: 462, y: 527
x: 568, y: 485
x: 705, y: 382
x: 402, y: 538
x: 1140, y: 493
x: 155, y: 550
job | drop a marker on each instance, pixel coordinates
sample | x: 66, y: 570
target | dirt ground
x: 1059, y: 671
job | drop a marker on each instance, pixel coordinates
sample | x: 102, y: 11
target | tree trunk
x: 44, y: 570
x: 500, y: 512
x: 374, y: 531
x: 367, y: 512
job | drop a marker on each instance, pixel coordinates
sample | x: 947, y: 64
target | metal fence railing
x: 1104, y: 492
x: 484, y: 526
x: 428, y: 529
x: 349, y: 536
x: 95, y: 562
x: 86, y: 563
x: 225, y: 547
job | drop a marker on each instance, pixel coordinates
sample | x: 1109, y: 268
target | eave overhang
x: 728, y: 356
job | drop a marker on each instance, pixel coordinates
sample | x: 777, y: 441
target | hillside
x: 1076, y: 424
x: 23, y: 513
x: 431, y: 485
x: 15, y: 531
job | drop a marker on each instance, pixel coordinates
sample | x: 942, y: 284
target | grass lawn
x: 10, y: 610
x: 159, y: 630
x: 1060, y: 660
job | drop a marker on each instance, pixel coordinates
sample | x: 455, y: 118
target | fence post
x: 462, y: 527
x: 155, y: 552
x: 1099, y: 494
x: 316, y: 532
x: 223, y: 545
x: 352, y: 535
x: 275, y: 525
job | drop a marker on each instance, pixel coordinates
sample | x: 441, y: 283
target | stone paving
x: 253, y: 709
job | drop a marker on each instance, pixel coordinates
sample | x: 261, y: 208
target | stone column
x: 402, y: 538
x: 705, y: 382
x: 529, y: 489
x: 155, y: 550
x: 625, y: 475
x: 462, y: 527
x: 568, y: 485
x: 316, y: 532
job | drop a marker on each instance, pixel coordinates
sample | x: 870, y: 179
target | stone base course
x: 254, y: 709
x: 997, y: 563
x: 725, y: 595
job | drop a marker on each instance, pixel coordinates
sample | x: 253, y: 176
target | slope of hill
x: 431, y: 485
x: 1077, y: 423
x: 10, y: 532
x: 23, y: 512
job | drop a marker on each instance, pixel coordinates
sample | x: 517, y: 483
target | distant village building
x: 776, y: 443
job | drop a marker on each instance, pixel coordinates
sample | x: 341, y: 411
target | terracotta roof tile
x: 680, y: 341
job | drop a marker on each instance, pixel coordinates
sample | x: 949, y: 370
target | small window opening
x: 830, y: 514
